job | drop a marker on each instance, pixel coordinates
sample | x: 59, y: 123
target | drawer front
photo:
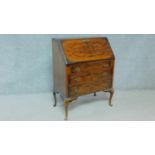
x: 89, y: 88
x: 90, y: 78
x: 90, y: 68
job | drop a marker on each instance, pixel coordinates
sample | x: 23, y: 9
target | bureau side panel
x: 59, y: 69
x: 113, y: 72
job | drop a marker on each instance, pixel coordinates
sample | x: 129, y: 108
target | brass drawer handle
x: 75, y: 90
x: 85, y: 40
x: 77, y: 79
x: 77, y: 69
x: 106, y: 65
x: 105, y: 73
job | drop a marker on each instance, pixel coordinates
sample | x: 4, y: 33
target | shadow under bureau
x: 82, y: 66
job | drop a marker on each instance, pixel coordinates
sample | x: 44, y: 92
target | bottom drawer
x: 89, y: 88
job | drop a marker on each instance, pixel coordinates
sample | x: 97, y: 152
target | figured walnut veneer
x: 78, y: 50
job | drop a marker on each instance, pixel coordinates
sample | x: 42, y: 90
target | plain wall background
x: 26, y: 62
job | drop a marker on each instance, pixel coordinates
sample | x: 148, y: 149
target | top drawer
x: 91, y: 67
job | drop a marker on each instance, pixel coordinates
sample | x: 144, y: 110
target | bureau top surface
x: 86, y: 49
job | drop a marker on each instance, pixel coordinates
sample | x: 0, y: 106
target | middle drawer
x: 91, y: 67
x: 89, y: 78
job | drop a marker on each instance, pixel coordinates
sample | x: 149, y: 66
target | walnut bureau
x: 82, y: 66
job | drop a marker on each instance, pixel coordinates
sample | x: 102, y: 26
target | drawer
x: 90, y: 78
x: 89, y: 88
x: 90, y: 67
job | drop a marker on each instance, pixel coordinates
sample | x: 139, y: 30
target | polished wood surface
x: 90, y: 68
x: 89, y: 78
x: 84, y: 89
x: 82, y: 66
x: 59, y: 69
x: 79, y: 50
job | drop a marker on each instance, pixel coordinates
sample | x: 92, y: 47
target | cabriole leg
x: 66, y: 104
x: 55, y: 100
x: 111, y: 91
x: 111, y: 95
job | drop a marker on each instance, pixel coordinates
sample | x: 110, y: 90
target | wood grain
x: 89, y: 78
x: 91, y: 67
x: 79, y: 50
x: 84, y: 89
x: 59, y: 69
